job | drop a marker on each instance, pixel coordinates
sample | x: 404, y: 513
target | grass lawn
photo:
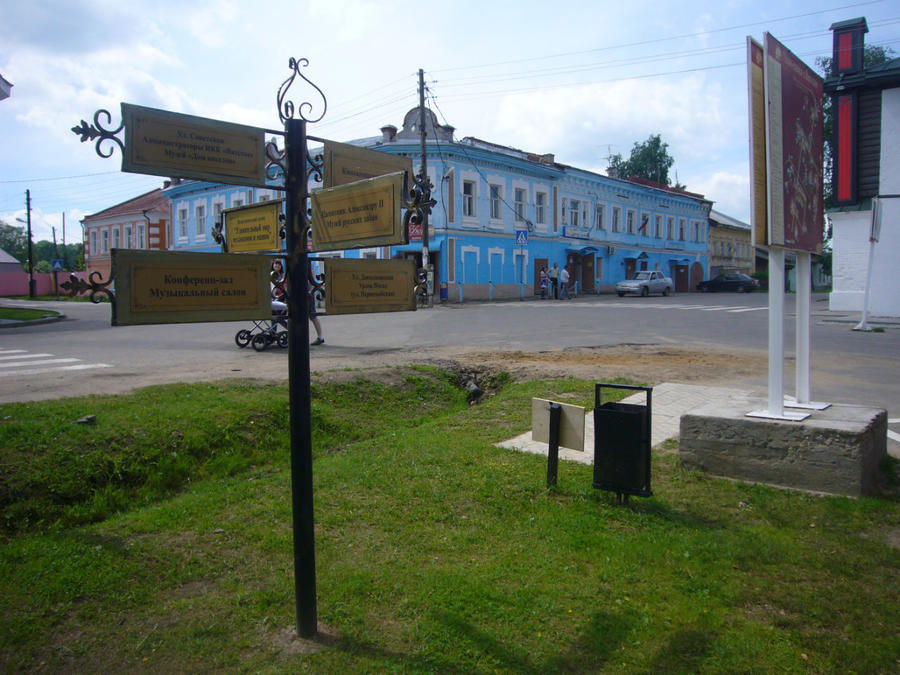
x: 22, y: 314
x: 159, y: 539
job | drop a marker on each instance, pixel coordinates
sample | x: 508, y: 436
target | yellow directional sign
x: 358, y: 286
x: 348, y: 163
x: 253, y: 228
x: 177, y: 287
x: 358, y: 215
x: 163, y: 143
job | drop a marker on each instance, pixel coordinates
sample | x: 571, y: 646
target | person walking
x: 543, y: 281
x: 313, y: 314
x: 554, y: 280
x: 564, y: 284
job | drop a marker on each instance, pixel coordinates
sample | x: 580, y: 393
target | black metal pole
x: 31, y: 292
x: 423, y: 132
x: 298, y: 365
x: 553, y: 450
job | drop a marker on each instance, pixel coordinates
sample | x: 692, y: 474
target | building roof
x: 150, y: 201
x: 719, y: 218
x: 6, y: 258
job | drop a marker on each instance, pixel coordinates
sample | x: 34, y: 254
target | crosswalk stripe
x: 749, y: 309
x: 24, y: 356
x: 45, y: 362
x: 12, y: 351
x: 39, y: 371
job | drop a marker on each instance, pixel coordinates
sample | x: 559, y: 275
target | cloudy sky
x: 579, y: 79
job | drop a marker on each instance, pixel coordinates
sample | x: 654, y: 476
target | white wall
x: 851, y: 232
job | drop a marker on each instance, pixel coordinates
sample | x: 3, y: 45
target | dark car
x: 730, y: 281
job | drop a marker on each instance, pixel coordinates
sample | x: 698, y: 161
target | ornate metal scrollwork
x: 96, y: 130
x: 95, y: 284
x: 276, y: 164
x: 286, y: 107
x: 315, y: 165
x: 218, y: 234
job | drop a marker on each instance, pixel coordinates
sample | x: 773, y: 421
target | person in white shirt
x: 564, y: 284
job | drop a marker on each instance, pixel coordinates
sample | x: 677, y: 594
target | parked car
x: 730, y: 281
x: 645, y: 283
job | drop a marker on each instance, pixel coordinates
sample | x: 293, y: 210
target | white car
x: 644, y: 283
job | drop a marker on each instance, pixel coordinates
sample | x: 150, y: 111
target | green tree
x: 649, y: 160
x: 873, y: 55
x: 14, y: 241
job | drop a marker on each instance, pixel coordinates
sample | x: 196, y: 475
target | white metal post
x: 776, y: 331
x: 803, y: 310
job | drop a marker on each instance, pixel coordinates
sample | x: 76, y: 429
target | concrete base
x: 836, y: 451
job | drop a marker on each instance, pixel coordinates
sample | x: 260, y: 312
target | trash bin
x: 622, y: 444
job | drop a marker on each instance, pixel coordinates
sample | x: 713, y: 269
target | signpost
x: 161, y: 287
x: 346, y: 163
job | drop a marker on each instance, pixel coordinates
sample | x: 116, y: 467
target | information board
x: 359, y: 286
x: 177, y: 287
x: 254, y: 228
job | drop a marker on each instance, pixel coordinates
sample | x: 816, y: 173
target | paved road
x: 84, y: 354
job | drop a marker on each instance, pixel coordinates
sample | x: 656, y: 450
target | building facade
x: 730, y: 245
x: 502, y: 214
x: 141, y: 223
x: 866, y: 166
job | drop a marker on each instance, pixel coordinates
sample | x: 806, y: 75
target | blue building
x: 502, y: 214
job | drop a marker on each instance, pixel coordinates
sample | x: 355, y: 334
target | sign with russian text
x: 358, y: 286
x: 348, y: 163
x: 254, y: 228
x: 163, y: 143
x: 177, y: 287
x: 358, y: 215
x: 795, y: 147
x: 757, y: 117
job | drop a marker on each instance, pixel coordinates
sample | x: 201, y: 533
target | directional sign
x: 179, y: 287
x: 358, y: 215
x: 521, y: 237
x: 346, y: 163
x: 253, y: 228
x: 358, y: 286
x: 163, y: 143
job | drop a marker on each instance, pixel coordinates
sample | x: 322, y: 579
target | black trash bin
x: 622, y: 444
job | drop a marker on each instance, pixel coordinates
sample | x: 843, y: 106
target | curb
x: 12, y: 323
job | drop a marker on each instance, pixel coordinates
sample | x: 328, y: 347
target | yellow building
x: 730, y: 245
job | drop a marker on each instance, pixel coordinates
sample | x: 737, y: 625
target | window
x: 600, y: 220
x: 657, y: 227
x: 115, y: 237
x: 617, y: 219
x: 140, y: 236
x: 520, y: 204
x: 469, y: 198
x: 93, y: 242
x: 105, y: 242
x: 182, y: 223
x: 496, y: 196
x: 644, y: 229
x: 128, y: 242
x: 629, y: 221
x: 574, y: 213
x: 200, y: 214
x: 236, y: 202
x: 217, y: 213
x: 670, y: 227
x: 540, y: 206
x: 681, y: 228
x: 565, y: 206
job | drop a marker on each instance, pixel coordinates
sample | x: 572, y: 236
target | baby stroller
x: 265, y: 332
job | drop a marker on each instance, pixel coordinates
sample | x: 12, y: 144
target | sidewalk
x: 669, y: 401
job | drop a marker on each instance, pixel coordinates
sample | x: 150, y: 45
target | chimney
x: 388, y: 133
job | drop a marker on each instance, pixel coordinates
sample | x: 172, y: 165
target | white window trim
x: 200, y: 233
x: 469, y: 177
x: 495, y: 223
x: 600, y: 207
x: 521, y: 254
x: 184, y: 223
x: 632, y: 227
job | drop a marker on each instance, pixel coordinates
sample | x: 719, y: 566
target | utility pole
x: 64, y: 257
x: 424, y: 175
x: 31, y: 292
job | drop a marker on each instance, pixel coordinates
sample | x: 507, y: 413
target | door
x: 682, y: 280
x: 629, y: 268
x: 587, y: 273
x: 696, y: 275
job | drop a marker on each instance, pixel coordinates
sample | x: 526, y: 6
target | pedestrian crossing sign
x: 521, y: 237
x: 56, y: 265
